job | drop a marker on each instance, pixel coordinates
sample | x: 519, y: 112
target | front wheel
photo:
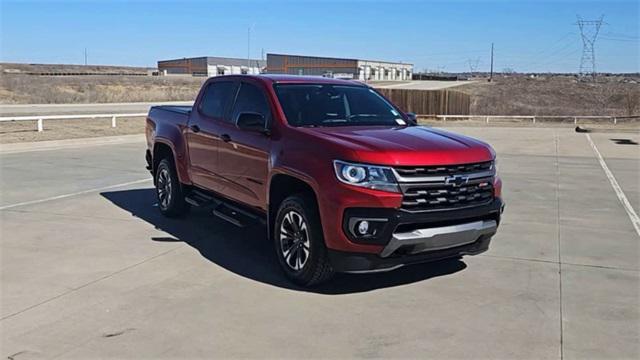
x: 169, y: 190
x: 299, y: 242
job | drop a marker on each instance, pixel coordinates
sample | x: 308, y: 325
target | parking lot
x: 91, y: 269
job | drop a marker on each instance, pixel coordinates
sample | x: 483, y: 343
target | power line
x: 562, y: 60
x: 556, y: 56
x: 620, y: 35
x: 618, y: 39
x: 558, y: 46
x: 543, y: 64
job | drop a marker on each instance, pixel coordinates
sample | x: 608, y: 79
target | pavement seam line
x: 557, y: 150
x: 92, y: 282
x: 633, y: 216
x: 552, y: 262
x: 69, y: 216
x: 64, y: 196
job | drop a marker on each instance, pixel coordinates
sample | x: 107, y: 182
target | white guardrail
x: 533, y: 118
x: 40, y: 119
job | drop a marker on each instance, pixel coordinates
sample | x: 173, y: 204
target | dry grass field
x: 514, y: 95
x: 132, y: 84
x: 555, y: 95
x: 18, y: 68
x: 30, y: 89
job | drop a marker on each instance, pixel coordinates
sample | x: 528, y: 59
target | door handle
x: 225, y: 137
x: 195, y: 128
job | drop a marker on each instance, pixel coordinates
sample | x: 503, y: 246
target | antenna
x: 249, y: 44
x: 589, y: 30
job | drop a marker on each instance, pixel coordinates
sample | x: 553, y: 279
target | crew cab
x: 342, y: 179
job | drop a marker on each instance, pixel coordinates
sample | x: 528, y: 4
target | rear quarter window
x: 216, y: 98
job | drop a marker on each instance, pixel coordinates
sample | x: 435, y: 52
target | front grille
x: 424, y: 191
x: 442, y: 170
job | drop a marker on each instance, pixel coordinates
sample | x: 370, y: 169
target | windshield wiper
x: 334, y: 121
x: 362, y: 115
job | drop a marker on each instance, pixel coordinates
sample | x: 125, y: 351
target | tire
x: 299, y: 242
x: 169, y: 190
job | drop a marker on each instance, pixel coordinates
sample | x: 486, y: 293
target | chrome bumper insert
x: 440, y: 238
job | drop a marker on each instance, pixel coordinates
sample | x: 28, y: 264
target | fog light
x: 363, y: 227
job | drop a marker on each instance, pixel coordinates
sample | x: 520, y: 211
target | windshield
x: 335, y: 105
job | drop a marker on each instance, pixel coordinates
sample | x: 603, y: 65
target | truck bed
x: 174, y: 108
x: 168, y: 116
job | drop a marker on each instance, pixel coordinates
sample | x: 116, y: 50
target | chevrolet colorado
x: 343, y: 179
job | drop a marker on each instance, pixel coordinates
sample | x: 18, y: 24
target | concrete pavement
x: 47, y: 145
x: 102, y: 274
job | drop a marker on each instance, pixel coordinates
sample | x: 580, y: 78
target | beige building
x: 364, y: 70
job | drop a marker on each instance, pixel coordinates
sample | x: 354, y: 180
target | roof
x: 213, y: 60
x: 346, y: 59
x: 216, y: 60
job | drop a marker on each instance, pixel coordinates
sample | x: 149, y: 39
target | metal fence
x: 40, y: 119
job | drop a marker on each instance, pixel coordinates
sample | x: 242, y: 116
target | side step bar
x: 199, y: 199
x: 222, y: 209
x: 227, y: 214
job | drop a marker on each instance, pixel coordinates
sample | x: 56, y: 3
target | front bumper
x: 440, y: 238
x: 407, y: 238
x: 365, y: 263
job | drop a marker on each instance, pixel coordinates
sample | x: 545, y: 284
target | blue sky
x: 444, y: 35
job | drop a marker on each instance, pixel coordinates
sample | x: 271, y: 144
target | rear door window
x: 216, y: 98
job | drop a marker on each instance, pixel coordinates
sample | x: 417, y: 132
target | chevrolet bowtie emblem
x: 456, y: 180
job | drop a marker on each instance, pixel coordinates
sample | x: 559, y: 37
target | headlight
x: 368, y: 176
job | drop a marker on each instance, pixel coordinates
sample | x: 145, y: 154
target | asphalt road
x: 71, y: 109
x: 91, y: 270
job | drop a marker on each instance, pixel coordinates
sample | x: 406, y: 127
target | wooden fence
x: 429, y: 102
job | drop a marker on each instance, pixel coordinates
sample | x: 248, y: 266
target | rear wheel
x: 169, y: 190
x: 299, y: 242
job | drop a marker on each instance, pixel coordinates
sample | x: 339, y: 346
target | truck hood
x: 414, y: 145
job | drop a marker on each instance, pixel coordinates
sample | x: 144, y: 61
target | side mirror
x: 413, y: 118
x: 250, y: 121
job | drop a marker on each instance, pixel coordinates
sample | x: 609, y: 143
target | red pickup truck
x: 342, y: 178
